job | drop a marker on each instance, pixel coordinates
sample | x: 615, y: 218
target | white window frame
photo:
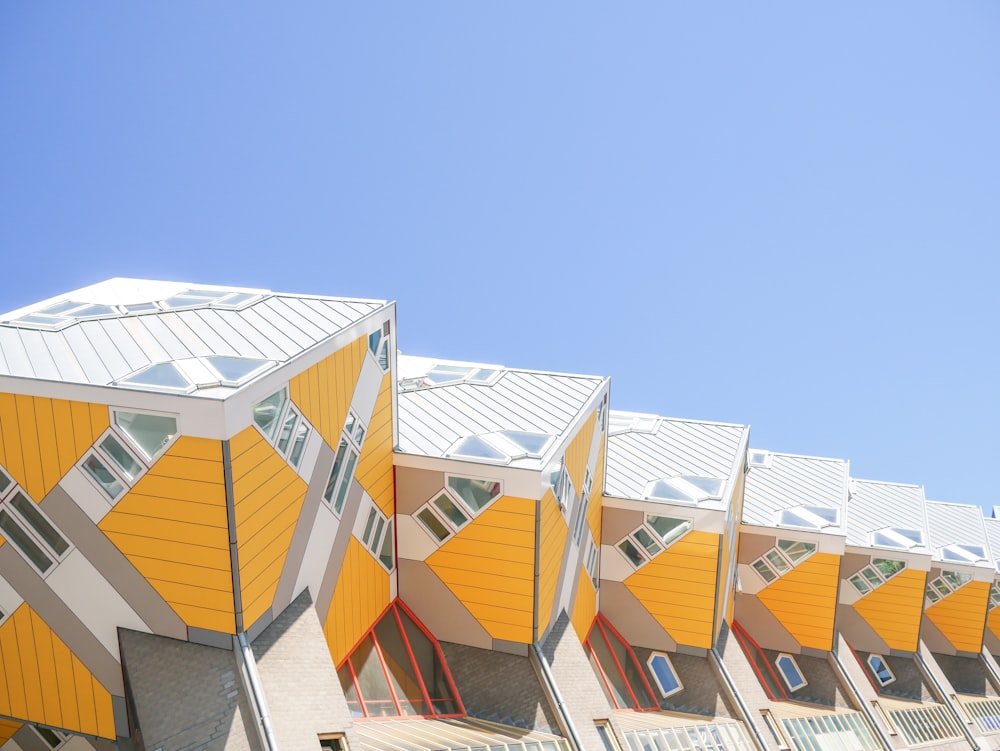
x: 352, y: 438
x: 871, y: 577
x: 933, y: 593
x: 378, y: 531
x: 7, y: 496
x: 98, y: 453
x: 378, y: 346
x: 994, y: 596
x: 769, y: 564
x: 451, y: 526
x: 784, y: 676
x: 646, y: 528
x: 581, y: 521
x: 299, y: 425
x: 592, y: 560
x: 892, y: 676
x: 665, y: 693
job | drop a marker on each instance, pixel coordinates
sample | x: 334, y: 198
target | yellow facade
x: 554, y: 532
x: 578, y: 451
x: 7, y: 730
x: 267, y: 500
x: 40, y: 439
x: 726, y: 597
x: 893, y: 610
x: 173, y: 527
x: 374, y: 472
x: 584, y: 605
x: 41, y: 681
x: 993, y: 622
x: 961, y: 616
x: 678, y: 588
x: 489, y: 565
x: 324, y: 391
x: 360, y: 597
x: 596, y: 496
x: 804, y: 600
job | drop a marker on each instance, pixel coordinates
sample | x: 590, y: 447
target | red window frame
x: 393, y: 609
x: 756, y: 658
x: 602, y: 626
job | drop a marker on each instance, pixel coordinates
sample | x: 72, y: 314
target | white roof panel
x: 672, y: 448
x: 53, y: 340
x: 788, y: 481
x: 955, y: 524
x: 877, y: 505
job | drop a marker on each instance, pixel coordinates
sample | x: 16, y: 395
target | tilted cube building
x: 238, y: 519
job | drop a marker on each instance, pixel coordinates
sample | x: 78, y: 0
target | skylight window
x: 624, y: 422
x: 808, y: 517
x: 900, y: 538
x: 962, y: 553
x: 190, y: 373
x: 994, y: 596
x: 758, y: 458
x: 685, y: 489
x: 442, y: 375
x: 503, y: 446
x: 664, y: 674
x: 880, y: 670
x: 790, y: 673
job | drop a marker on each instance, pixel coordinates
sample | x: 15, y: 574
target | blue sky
x: 784, y: 214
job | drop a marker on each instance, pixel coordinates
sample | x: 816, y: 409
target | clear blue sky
x: 785, y: 214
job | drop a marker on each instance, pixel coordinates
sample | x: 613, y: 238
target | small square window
x: 664, y: 674
x: 790, y: 672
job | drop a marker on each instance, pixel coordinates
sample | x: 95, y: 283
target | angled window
x: 875, y: 574
x: 348, y: 451
x: 282, y: 425
x: 398, y: 670
x: 379, y: 539
x: 378, y: 345
x: 685, y: 489
x: 782, y: 558
x: 880, y: 670
x: 655, y: 535
x: 562, y: 487
x: 617, y: 668
x: 53, y: 738
x: 945, y: 584
x: 150, y: 434
x: 664, y: 674
x: 899, y: 538
x: 28, y: 529
x: 591, y: 560
x: 809, y: 517
x: 994, y: 596
x: 789, y: 671
x: 461, y: 501
x: 581, y: 515
x: 127, y: 450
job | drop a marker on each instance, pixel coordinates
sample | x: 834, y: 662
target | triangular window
x: 398, y: 670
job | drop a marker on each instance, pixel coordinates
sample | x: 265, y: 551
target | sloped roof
x: 648, y: 448
x: 955, y: 524
x: 124, y: 325
x: 878, y: 505
x: 992, y: 527
x: 434, y: 414
x: 789, y: 481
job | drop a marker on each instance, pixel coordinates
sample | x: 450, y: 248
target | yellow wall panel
x: 40, y: 439
x: 554, y: 532
x: 804, y: 600
x: 893, y: 610
x: 584, y: 605
x: 360, y: 597
x: 42, y: 681
x: 174, y: 530
x: 678, y: 588
x: 267, y: 500
x: 7, y: 730
x: 961, y: 616
x: 993, y: 622
x: 596, y: 495
x: 498, y: 547
x: 374, y: 471
x: 578, y: 451
x: 324, y: 391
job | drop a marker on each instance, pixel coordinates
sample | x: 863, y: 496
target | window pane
x: 668, y: 529
x: 646, y: 540
x: 377, y: 535
x: 338, y: 462
x: 233, y: 369
x: 5, y: 481
x: 24, y: 542
x: 345, y: 481
x: 450, y: 510
x: 299, y: 444
x: 631, y: 552
x: 429, y: 664
x: 29, y: 511
x: 777, y: 561
x: 888, y: 567
x: 164, y: 374
x: 616, y: 681
x: 286, y: 432
x: 266, y: 412
x: 400, y: 669
x: 796, y: 550
x: 387, y: 552
x: 369, y: 525
x: 371, y: 680
x: 433, y: 524
x: 350, y: 692
x: 475, y: 493
x: 96, y: 469
x: 860, y: 584
x: 664, y: 674
x: 765, y: 571
x: 149, y: 433
x: 121, y: 457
